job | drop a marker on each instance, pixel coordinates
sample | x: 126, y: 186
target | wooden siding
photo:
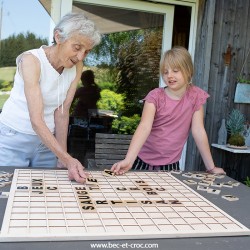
x: 110, y: 148
x: 220, y: 23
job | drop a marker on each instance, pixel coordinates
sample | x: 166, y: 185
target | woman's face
x: 74, y: 50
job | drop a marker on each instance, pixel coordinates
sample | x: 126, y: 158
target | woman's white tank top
x: 54, y: 87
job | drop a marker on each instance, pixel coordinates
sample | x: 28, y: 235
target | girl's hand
x: 121, y: 167
x: 216, y: 170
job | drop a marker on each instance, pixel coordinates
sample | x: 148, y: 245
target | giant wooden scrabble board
x: 44, y: 205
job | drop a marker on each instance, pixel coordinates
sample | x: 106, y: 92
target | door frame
x: 165, y: 7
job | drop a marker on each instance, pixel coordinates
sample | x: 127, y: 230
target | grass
x: 7, y: 73
x: 3, y: 98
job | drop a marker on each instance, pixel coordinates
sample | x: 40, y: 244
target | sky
x: 22, y: 16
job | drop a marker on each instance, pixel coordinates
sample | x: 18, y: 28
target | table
x: 233, y: 162
x: 238, y: 209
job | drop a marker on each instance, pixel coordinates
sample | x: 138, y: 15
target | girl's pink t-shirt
x: 171, y: 125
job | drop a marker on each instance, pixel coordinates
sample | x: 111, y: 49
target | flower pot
x: 242, y: 93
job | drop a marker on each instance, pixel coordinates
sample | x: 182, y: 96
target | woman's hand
x: 75, y: 170
x: 121, y: 167
x: 60, y: 164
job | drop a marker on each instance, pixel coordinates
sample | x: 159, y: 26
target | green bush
x: 111, y: 101
x: 126, y: 125
x: 6, y: 85
x: 107, y: 85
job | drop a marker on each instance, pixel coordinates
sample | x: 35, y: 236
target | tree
x: 15, y: 45
x: 132, y: 58
x: 105, y: 54
x: 138, y: 65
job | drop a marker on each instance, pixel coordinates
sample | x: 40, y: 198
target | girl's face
x: 174, y: 79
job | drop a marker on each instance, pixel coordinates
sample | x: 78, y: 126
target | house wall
x: 220, y: 23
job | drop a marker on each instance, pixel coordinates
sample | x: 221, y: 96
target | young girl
x: 168, y: 115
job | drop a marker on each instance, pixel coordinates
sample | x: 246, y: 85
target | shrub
x: 126, y: 125
x: 6, y: 85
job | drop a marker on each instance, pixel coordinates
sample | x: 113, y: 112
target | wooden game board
x: 44, y: 205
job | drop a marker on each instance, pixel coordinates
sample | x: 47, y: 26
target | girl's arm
x: 201, y: 140
x: 141, y: 134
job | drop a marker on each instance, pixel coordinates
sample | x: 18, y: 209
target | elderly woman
x: 34, y: 120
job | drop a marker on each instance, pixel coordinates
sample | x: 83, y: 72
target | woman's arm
x: 141, y: 134
x: 201, y: 140
x: 62, y: 114
x: 30, y: 71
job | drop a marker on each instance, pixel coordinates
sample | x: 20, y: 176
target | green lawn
x: 7, y: 73
x: 3, y: 98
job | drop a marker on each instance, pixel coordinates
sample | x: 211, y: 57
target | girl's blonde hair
x: 178, y: 58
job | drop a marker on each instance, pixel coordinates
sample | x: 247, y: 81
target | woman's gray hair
x: 77, y: 23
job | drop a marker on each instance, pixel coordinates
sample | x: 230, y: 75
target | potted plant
x: 235, y: 127
x: 242, y: 91
x: 247, y: 181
